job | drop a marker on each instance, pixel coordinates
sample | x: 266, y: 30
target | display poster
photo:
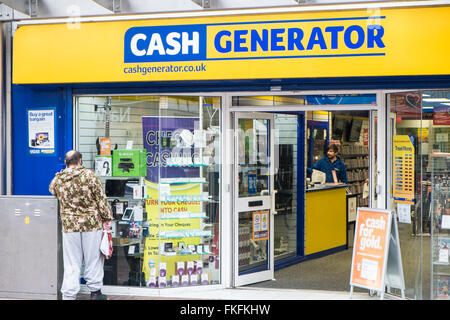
x: 407, y: 105
x: 171, y: 229
x: 445, y: 221
x: 351, y: 207
x: 252, y: 182
x: 403, y: 169
x: 173, y: 198
x: 442, y: 287
x: 366, y: 136
x: 105, y: 146
x: 441, y: 137
x: 370, y: 248
x: 441, y: 115
x: 423, y: 135
x: 404, y: 212
x: 41, y: 131
x: 260, y: 225
x: 170, y: 147
x: 443, y: 250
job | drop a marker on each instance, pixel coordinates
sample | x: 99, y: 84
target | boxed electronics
x: 103, y: 166
x: 129, y: 163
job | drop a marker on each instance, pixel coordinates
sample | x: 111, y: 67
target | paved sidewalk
x: 247, y: 294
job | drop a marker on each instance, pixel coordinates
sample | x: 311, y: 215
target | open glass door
x: 253, y: 198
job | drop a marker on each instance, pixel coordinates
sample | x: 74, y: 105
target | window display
x: 440, y: 232
x: 158, y: 157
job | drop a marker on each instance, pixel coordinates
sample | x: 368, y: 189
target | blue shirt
x: 325, y: 165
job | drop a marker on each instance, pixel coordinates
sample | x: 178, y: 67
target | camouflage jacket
x: 82, y: 202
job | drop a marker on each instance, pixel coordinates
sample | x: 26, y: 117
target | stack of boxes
x: 122, y: 163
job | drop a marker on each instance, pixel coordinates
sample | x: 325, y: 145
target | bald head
x: 73, y: 158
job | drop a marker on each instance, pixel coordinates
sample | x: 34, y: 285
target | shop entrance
x: 311, y: 222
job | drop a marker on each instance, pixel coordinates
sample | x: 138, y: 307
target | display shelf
x: 182, y: 180
x: 120, y: 178
x: 357, y: 168
x: 184, y: 215
x: 437, y: 263
x: 356, y: 159
x: 184, y: 198
x: 185, y: 254
x: 187, y: 165
x: 163, y: 235
x: 346, y: 156
x: 440, y: 225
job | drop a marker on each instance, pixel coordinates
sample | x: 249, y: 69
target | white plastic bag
x: 106, y: 246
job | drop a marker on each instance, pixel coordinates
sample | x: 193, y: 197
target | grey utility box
x: 30, y: 247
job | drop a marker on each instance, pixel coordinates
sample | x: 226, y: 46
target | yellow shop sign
x: 394, y: 42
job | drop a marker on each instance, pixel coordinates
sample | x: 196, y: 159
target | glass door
x: 253, y: 198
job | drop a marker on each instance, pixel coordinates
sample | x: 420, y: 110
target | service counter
x: 325, y: 218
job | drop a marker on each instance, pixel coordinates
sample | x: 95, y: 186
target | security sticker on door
x: 260, y: 225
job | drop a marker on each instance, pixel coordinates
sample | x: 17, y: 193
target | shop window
x: 435, y: 190
x: 159, y: 160
x: 420, y: 126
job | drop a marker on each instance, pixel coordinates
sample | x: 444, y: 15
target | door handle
x: 273, y: 201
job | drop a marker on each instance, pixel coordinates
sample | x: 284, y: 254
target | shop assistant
x: 332, y: 162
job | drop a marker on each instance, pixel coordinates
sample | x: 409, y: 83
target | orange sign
x: 105, y: 146
x: 370, y: 248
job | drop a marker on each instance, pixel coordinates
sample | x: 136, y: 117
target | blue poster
x: 170, y: 147
x: 41, y: 131
x: 252, y: 182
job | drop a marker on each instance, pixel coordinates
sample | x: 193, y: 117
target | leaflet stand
x: 376, y: 260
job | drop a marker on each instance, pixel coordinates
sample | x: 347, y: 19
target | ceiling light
x: 436, y: 100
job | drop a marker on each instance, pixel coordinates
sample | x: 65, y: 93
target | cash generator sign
x: 315, y: 39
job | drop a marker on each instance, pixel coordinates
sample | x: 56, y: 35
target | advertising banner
x: 369, y: 248
x: 160, y: 137
x: 376, y: 260
x: 441, y: 115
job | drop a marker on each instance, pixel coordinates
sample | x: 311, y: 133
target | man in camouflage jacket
x: 84, y: 212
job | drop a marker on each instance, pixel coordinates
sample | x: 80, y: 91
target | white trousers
x: 79, y: 247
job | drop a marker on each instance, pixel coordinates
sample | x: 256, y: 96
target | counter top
x: 327, y: 186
